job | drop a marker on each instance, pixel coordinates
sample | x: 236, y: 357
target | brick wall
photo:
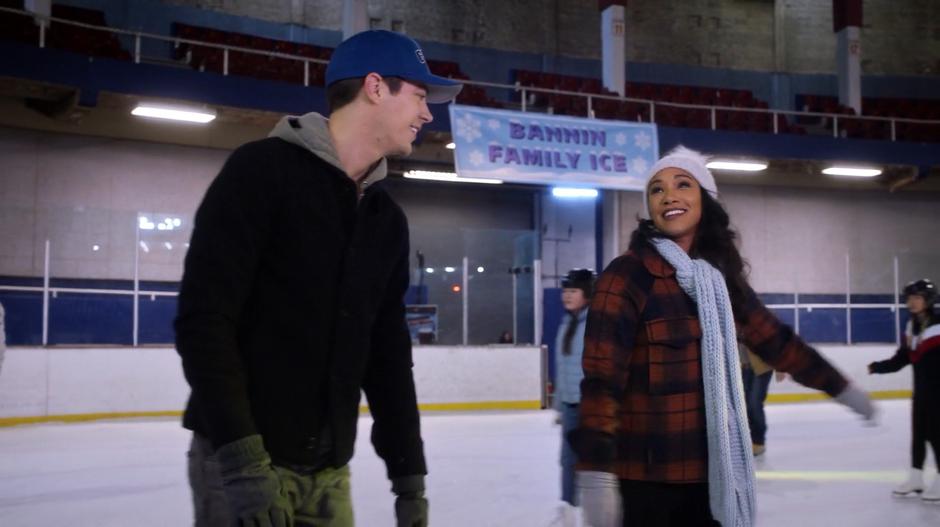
x: 900, y: 37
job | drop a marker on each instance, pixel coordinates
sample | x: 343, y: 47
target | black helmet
x: 924, y: 288
x: 582, y: 279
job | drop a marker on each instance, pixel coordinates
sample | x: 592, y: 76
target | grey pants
x: 320, y: 499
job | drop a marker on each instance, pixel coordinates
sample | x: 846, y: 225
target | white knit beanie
x: 686, y: 159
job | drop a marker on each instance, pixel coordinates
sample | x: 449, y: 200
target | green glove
x: 251, y: 485
x: 411, y: 507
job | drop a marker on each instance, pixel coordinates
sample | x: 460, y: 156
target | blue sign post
x: 554, y: 150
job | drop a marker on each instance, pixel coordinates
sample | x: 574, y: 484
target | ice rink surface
x: 823, y: 468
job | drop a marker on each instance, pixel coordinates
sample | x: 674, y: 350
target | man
x: 292, y: 301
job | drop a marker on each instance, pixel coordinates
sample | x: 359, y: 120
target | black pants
x: 925, y: 409
x: 649, y: 504
x: 925, y: 429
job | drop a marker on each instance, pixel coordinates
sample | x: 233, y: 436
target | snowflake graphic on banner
x: 642, y: 140
x: 620, y: 138
x: 476, y: 158
x: 493, y: 124
x: 468, y: 128
x: 638, y: 165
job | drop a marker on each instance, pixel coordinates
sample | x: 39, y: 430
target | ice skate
x: 912, y: 487
x: 567, y: 516
x: 932, y: 495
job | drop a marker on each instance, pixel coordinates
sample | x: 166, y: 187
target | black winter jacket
x: 926, y: 393
x: 291, y: 301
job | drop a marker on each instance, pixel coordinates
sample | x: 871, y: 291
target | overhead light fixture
x: 569, y: 192
x: 739, y: 166
x: 448, y: 176
x: 174, y: 113
x: 451, y: 146
x: 852, y: 171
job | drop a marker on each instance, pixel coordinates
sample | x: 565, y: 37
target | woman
x: 921, y: 349
x: 663, y: 422
x: 577, y: 288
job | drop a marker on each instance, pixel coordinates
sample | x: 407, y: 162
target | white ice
x: 822, y: 468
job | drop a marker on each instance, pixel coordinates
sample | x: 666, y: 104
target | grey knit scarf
x: 730, y: 463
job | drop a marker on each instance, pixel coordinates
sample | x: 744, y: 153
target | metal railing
x: 226, y: 50
x: 176, y: 41
x: 712, y: 109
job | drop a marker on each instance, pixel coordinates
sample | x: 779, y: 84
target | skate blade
x: 907, y: 495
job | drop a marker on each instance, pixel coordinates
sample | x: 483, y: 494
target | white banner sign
x: 554, y: 150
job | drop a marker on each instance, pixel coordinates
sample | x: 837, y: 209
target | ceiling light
x: 175, y: 114
x: 448, y: 176
x: 852, y: 171
x: 740, y: 166
x: 451, y: 146
x: 568, y: 192
x: 449, y: 269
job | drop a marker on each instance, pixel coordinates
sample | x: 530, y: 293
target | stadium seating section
x: 878, y: 107
x: 736, y: 109
x: 78, y: 39
x: 732, y: 115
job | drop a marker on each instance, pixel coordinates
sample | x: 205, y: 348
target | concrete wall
x: 84, y: 194
x: 796, y: 240
x: 83, y: 191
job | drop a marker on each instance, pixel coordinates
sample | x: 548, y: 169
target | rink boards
x: 49, y: 384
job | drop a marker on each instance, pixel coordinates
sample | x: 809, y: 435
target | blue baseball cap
x: 389, y: 54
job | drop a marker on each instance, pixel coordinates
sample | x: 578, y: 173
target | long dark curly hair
x: 714, y: 242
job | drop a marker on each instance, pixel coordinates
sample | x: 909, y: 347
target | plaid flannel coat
x: 642, y: 402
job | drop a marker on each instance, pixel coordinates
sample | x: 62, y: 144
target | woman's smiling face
x: 675, y: 204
